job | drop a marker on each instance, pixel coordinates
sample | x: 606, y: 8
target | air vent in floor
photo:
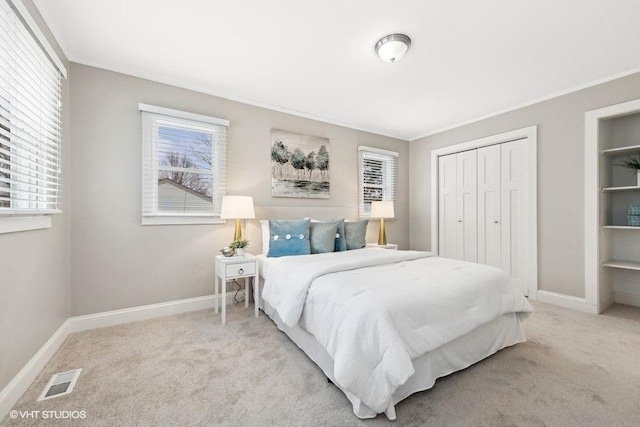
x: 60, y: 384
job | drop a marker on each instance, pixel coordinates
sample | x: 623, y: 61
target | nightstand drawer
x: 240, y: 269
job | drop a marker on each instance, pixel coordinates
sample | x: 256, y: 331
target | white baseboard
x: 627, y: 298
x: 21, y: 382
x: 567, y: 301
x: 136, y: 314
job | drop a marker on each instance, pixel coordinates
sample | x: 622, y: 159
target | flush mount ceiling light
x: 392, y: 48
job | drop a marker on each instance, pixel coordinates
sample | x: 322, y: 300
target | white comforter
x: 374, y: 309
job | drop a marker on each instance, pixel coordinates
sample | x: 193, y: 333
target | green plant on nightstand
x: 239, y: 245
x: 632, y: 162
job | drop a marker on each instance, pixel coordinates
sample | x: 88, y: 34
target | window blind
x: 184, y: 163
x: 30, y: 120
x: 377, y: 180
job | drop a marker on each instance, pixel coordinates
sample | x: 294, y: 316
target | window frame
x: 151, y: 167
x: 15, y: 219
x: 389, y: 189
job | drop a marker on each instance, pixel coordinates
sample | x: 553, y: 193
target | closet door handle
x: 459, y: 220
x: 495, y: 222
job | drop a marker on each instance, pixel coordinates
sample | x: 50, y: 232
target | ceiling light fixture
x: 392, y: 48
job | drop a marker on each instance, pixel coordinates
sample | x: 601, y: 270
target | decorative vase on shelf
x: 239, y: 251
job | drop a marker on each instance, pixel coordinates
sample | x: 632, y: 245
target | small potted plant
x: 239, y: 245
x: 633, y: 163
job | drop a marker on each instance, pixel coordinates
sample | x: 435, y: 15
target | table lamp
x: 382, y: 210
x: 237, y: 207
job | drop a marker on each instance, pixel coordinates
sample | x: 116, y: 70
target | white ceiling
x: 468, y: 58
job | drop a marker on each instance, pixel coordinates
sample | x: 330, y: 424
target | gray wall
x: 34, y: 269
x: 560, y: 176
x: 118, y: 263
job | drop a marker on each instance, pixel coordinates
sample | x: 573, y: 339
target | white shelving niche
x: 612, y: 246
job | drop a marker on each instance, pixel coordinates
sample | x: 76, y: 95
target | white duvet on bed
x: 374, y: 309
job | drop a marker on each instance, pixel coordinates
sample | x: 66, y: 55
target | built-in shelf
x: 611, y: 134
x: 614, y: 152
x: 628, y: 188
x: 627, y: 265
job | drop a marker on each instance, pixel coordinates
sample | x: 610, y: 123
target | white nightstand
x: 234, y: 267
x: 392, y: 246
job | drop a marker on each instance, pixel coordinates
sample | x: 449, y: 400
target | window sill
x: 24, y: 223
x: 180, y: 220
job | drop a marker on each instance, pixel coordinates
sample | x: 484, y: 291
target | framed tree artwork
x: 299, y: 165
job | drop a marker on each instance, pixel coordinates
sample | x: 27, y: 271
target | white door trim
x: 531, y: 135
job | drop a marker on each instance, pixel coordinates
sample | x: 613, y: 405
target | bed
x: 384, y: 324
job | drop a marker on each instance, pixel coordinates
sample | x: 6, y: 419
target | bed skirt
x: 459, y: 354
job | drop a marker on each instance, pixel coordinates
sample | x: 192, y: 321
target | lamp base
x: 238, y: 233
x: 382, y: 235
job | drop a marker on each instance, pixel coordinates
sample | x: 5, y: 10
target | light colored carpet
x: 575, y: 370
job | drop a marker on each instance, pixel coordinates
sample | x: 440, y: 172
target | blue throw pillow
x: 341, y: 241
x: 289, y: 237
x: 355, y: 234
x: 322, y: 236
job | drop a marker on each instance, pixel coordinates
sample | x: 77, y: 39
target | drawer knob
x: 241, y: 271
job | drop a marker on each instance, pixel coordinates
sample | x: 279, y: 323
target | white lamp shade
x: 237, y: 207
x: 382, y: 210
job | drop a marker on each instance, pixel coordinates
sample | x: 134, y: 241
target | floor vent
x: 60, y: 384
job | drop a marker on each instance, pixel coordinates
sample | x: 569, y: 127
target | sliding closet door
x: 489, y: 223
x: 467, y: 209
x: 514, y: 200
x: 447, y: 206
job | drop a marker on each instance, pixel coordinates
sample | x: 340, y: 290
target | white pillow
x: 265, y: 235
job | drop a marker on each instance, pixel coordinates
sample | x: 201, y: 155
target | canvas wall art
x: 299, y: 165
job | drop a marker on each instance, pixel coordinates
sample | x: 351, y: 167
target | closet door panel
x: 514, y: 199
x: 467, y: 236
x: 489, y: 218
x: 447, y: 206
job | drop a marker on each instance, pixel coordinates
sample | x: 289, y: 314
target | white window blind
x: 183, y: 165
x: 30, y: 118
x: 378, y: 172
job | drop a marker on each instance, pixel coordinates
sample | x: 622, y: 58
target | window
x: 183, y: 166
x: 377, y: 181
x: 30, y: 120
